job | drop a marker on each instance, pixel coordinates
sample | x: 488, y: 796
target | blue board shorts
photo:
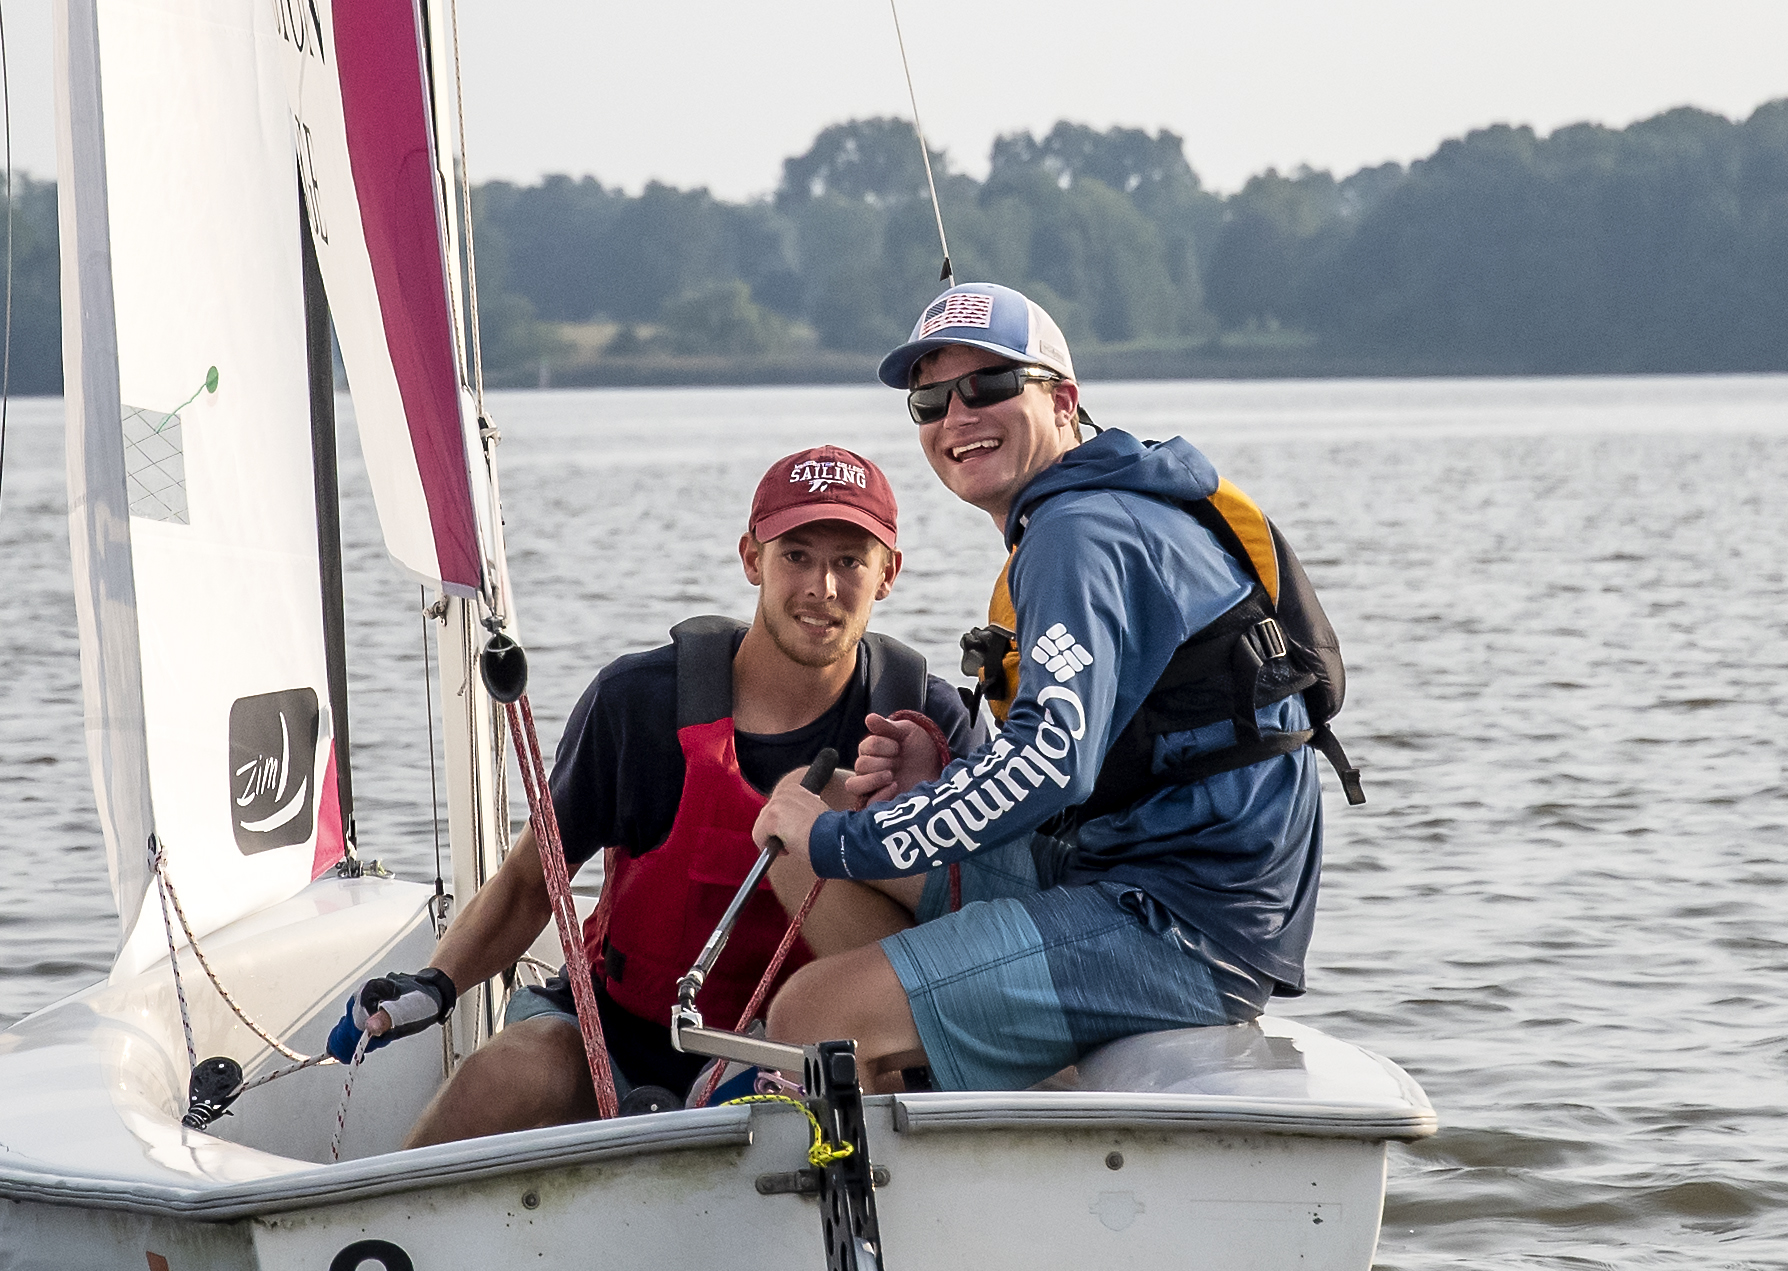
x: 1027, y: 977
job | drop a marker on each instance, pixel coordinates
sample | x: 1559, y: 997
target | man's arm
x: 501, y: 921
x: 495, y: 928
x: 1098, y: 624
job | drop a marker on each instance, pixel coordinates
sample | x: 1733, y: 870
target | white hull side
x: 1257, y: 1146
x: 1001, y: 1199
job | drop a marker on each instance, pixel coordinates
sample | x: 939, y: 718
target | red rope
x: 558, y: 886
x: 763, y: 985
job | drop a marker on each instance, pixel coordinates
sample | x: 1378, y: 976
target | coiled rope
x: 820, y: 1153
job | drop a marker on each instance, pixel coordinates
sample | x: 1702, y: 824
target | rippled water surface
x: 1564, y: 609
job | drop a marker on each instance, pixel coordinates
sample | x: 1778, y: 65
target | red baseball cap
x: 827, y: 483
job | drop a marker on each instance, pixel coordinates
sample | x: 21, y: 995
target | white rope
x: 320, y: 1060
x: 347, y: 1092
x: 165, y: 887
x: 167, y: 883
x: 161, y: 889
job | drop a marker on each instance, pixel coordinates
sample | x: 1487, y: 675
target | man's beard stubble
x: 802, y: 657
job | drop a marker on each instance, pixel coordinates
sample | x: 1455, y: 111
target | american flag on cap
x: 982, y: 315
x: 956, y: 310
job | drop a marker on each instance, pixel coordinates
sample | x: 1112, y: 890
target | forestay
x: 192, y: 513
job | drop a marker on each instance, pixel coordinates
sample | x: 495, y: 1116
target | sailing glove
x: 414, y: 1002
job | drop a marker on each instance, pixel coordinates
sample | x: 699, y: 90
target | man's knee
x: 855, y: 994
x: 532, y: 1073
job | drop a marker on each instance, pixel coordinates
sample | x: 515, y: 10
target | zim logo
x: 273, y: 756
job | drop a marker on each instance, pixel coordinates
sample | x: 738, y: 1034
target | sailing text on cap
x: 824, y: 474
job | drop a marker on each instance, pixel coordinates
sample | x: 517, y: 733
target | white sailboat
x: 225, y: 164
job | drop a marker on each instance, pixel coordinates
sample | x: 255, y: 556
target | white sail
x: 369, y: 83
x: 193, y: 512
x: 370, y: 142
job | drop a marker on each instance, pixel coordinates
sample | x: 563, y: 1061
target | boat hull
x: 1259, y: 1145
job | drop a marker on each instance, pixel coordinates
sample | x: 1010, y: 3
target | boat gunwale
x: 472, y: 1160
x: 1103, y: 1109
x: 418, y: 1169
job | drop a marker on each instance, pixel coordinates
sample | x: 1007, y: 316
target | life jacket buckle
x: 1271, y: 639
x: 984, y: 651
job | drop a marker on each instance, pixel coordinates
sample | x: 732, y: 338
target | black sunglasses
x: 931, y: 402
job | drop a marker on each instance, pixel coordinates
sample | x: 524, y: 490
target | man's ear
x: 751, y: 556
x: 890, y: 571
x: 1066, y: 402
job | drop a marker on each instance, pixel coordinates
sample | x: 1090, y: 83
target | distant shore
x: 1212, y: 360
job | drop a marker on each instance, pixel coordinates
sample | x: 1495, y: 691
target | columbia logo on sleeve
x: 1060, y: 653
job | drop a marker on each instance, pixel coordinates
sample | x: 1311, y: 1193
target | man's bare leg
x: 854, y: 994
x: 533, y: 1073
x: 847, y: 915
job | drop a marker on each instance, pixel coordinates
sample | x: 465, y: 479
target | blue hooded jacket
x: 1108, y: 580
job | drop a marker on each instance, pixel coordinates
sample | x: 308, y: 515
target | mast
x: 477, y: 792
x: 320, y: 356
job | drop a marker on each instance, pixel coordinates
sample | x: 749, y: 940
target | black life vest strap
x: 1215, y: 675
x: 704, y: 668
x: 897, y: 675
x: 1198, y: 767
x: 1330, y: 745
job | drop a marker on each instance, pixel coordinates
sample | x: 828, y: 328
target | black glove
x: 414, y: 1002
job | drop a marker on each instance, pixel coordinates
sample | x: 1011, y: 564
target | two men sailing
x: 1137, y: 849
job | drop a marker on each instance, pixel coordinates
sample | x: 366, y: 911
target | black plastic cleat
x: 213, y: 1088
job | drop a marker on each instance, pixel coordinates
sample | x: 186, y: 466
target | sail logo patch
x: 273, y: 758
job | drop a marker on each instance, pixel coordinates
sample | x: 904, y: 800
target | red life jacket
x: 668, y: 900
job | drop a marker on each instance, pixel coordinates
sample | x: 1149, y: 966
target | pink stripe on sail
x: 385, y: 107
x: 331, y: 842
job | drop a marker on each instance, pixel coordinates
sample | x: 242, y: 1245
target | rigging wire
x: 465, y: 194
x: 948, y: 273
x: 434, y: 789
x: 500, y: 601
x: 6, y: 336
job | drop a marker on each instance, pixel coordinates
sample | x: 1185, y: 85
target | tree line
x: 1662, y: 246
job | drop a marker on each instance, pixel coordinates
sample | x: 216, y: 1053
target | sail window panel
x: 154, y: 465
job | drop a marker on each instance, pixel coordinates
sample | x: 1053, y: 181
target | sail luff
x: 98, y: 505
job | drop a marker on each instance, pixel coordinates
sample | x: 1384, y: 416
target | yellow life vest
x: 993, y: 654
x: 995, y: 664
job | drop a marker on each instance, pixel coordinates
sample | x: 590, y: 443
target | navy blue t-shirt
x: 618, y: 778
x: 618, y: 774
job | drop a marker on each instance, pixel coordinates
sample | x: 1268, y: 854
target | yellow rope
x: 822, y: 1153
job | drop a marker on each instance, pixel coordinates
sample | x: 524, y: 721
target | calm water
x: 1564, y: 909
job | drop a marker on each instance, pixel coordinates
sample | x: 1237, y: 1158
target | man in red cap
x: 665, y: 764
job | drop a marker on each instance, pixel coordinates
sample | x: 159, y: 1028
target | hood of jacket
x: 1114, y: 460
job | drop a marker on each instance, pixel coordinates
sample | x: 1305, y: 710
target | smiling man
x: 1140, y: 844
x: 666, y: 760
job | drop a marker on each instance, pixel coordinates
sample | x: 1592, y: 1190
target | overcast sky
x: 718, y: 94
